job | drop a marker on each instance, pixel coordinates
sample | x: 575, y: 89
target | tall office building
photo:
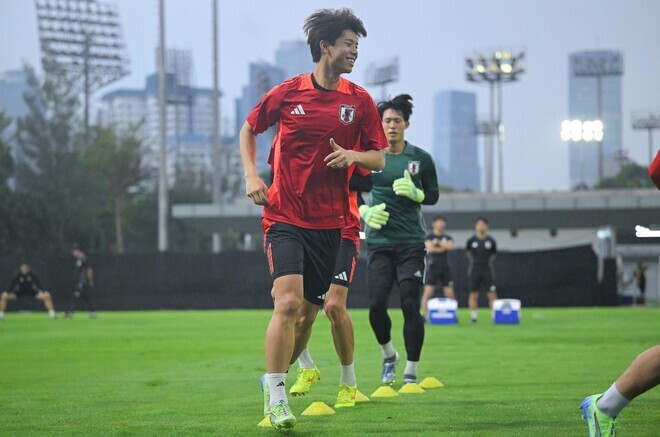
x: 594, y: 92
x: 294, y: 58
x: 262, y: 77
x: 13, y: 84
x: 455, y: 140
x: 189, y: 121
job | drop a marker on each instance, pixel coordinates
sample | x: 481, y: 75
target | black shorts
x: 438, y: 275
x: 24, y: 294
x: 394, y: 262
x: 481, y: 281
x: 311, y: 253
x: 345, y: 264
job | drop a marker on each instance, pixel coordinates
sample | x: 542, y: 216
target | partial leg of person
x: 46, y: 298
x: 308, y: 373
x: 449, y: 292
x: 429, y: 292
x: 73, y: 303
x: 5, y: 297
x: 409, y: 271
x: 413, y: 327
x: 600, y: 411
x: 380, y: 278
x: 492, y: 296
x: 474, y: 284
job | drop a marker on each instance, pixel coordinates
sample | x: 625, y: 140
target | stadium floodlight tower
x: 84, y: 38
x: 383, y: 72
x: 582, y: 132
x: 495, y: 69
x: 648, y: 120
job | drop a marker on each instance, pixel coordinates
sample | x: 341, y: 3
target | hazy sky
x: 431, y: 39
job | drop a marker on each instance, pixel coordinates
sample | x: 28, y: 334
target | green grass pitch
x: 195, y: 373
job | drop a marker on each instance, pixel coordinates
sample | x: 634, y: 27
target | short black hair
x: 481, y: 219
x: 401, y: 104
x: 439, y: 217
x: 328, y: 25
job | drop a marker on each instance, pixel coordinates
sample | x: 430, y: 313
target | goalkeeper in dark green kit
x: 395, y: 240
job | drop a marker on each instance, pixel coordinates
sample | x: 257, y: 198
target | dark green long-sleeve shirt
x: 406, y: 224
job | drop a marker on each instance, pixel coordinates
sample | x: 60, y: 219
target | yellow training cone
x: 431, y: 382
x: 360, y: 397
x: 384, y: 391
x: 318, y: 409
x: 411, y: 388
x: 265, y: 423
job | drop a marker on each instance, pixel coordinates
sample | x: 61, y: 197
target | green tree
x: 6, y: 161
x: 51, y: 141
x: 117, y: 158
x: 631, y: 176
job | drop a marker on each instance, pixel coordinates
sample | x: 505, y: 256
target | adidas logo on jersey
x: 342, y: 276
x: 298, y: 110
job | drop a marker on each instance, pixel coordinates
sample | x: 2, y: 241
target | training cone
x: 318, y: 409
x: 265, y: 423
x: 384, y: 391
x: 411, y: 388
x: 431, y: 382
x: 361, y: 397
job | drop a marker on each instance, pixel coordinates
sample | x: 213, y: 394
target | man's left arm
x: 429, y: 181
x: 90, y: 276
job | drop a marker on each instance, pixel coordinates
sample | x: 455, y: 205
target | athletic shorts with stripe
x: 312, y: 253
x: 346, y: 263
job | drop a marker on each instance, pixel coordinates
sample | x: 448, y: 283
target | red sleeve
x: 372, y: 136
x: 267, y: 111
x: 654, y: 170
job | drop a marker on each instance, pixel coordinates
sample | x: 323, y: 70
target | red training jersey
x: 654, y: 170
x: 305, y: 191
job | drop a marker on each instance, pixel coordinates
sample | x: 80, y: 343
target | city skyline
x: 431, y: 56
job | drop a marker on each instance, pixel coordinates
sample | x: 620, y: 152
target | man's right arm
x: 255, y: 188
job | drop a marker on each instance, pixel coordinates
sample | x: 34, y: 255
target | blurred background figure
x: 481, y: 250
x: 84, y: 283
x: 26, y: 284
x: 640, y: 280
x: 438, y: 244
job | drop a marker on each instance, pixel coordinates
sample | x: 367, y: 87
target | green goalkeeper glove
x: 406, y: 187
x: 374, y: 216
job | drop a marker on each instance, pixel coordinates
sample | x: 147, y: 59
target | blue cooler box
x: 442, y: 311
x: 506, y: 311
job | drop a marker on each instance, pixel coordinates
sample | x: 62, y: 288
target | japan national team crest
x: 347, y: 113
x: 413, y: 167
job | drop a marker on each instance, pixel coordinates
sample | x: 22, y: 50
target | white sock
x: 2, y: 314
x: 305, y: 360
x: 51, y: 313
x: 473, y: 315
x: 612, y: 402
x: 388, y: 350
x: 348, y: 375
x: 411, y: 368
x: 277, y: 387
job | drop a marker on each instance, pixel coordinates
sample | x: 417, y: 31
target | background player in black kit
x: 481, y: 250
x: 437, y: 272
x: 26, y: 284
x: 84, y: 283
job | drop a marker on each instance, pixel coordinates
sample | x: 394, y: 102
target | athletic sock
x: 348, y: 375
x: 2, y: 314
x: 305, y: 360
x: 411, y: 368
x: 51, y: 313
x: 612, y: 402
x: 277, y: 387
x: 388, y: 350
x: 473, y: 315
